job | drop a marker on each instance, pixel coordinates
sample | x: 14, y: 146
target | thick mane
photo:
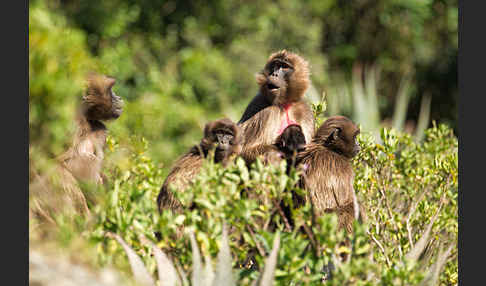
x: 99, y: 84
x: 82, y: 162
x: 258, y: 103
x: 99, y: 102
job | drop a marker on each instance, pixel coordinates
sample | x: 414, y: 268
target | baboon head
x: 291, y: 140
x: 339, y: 133
x: 100, y: 102
x: 224, y: 137
x: 285, y: 78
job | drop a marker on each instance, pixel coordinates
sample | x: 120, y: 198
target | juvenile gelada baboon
x: 278, y: 104
x: 328, y: 173
x: 82, y: 162
x: 221, y: 136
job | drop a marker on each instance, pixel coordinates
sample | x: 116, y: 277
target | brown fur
x: 286, y: 147
x: 262, y: 120
x: 83, y: 160
x: 328, y: 176
x: 188, y: 166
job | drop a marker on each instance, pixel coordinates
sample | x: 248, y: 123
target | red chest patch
x: 286, y: 122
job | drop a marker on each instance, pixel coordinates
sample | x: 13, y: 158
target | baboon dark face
x: 224, y: 137
x: 117, y: 103
x: 284, y: 78
x: 277, y: 73
x: 224, y: 140
x: 339, y: 134
x: 291, y: 140
x: 100, y: 102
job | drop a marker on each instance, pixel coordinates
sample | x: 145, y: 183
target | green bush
x: 403, y: 186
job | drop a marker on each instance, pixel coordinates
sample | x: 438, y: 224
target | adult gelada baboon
x: 223, y: 136
x: 82, y: 162
x: 328, y: 173
x: 279, y: 104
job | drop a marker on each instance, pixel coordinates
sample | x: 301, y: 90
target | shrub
x: 409, y: 192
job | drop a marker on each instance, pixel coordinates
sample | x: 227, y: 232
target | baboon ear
x: 335, y: 133
x: 110, y: 82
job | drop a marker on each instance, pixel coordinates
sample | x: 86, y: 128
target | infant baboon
x: 280, y: 103
x: 223, y: 136
x: 328, y: 174
x: 286, y: 146
x: 82, y: 162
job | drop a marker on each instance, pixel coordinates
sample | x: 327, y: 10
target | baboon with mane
x: 82, y: 162
x: 279, y: 104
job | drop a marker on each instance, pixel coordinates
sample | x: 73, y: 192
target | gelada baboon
x: 328, y: 174
x: 286, y: 146
x: 279, y: 104
x: 223, y: 136
x: 82, y: 162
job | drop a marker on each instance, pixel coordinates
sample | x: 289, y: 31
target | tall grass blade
x: 197, y: 267
x: 401, y: 104
x: 167, y: 272
x: 140, y: 272
x: 224, y: 275
x: 419, y: 247
x: 208, y: 273
x: 432, y: 277
x: 267, y: 277
x: 424, y: 117
x: 373, y: 111
x: 358, y: 95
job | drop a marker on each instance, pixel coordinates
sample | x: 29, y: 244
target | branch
x: 259, y: 247
x: 380, y: 246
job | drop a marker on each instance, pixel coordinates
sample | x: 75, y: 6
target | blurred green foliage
x: 182, y: 63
